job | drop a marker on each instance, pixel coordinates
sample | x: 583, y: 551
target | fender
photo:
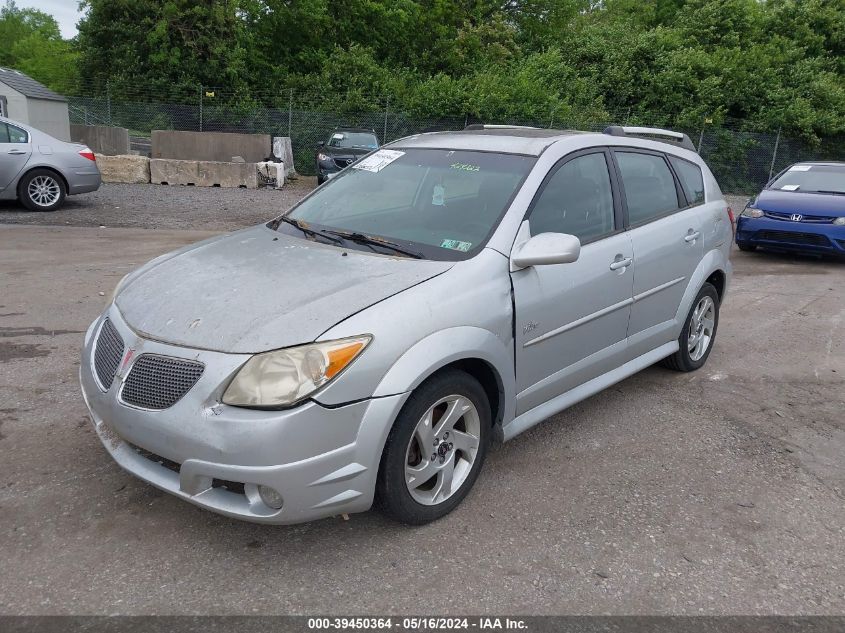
x: 441, y: 348
x: 713, y: 260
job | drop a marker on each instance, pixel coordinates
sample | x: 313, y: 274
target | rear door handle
x: 621, y: 263
x: 691, y: 237
x: 16, y: 151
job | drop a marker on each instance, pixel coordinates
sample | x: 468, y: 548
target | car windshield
x: 353, y: 139
x: 812, y: 179
x: 442, y: 204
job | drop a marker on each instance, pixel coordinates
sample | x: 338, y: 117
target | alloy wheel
x: 701, y: 325
x: 442, y: 450
x: 44, y: 191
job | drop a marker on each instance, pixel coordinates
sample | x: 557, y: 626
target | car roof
x: 826, y: 163
x: 355, y: 129
x: 508, y: 140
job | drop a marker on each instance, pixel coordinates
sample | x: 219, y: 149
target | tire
x: 450, y: 391
x: 687, y: 359
x: 42, y: 190
x: 748, y: 248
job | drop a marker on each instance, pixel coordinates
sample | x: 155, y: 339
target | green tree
x: 162, y: 47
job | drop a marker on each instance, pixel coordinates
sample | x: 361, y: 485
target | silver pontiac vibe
x: 446, y: 290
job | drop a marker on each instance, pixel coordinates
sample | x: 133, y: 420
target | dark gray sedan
x: 40, y: 170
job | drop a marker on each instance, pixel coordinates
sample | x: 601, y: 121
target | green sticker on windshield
x: 456, y: 245
x: 465, y: 167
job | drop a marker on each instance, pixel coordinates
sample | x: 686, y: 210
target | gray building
x: 24, y: 99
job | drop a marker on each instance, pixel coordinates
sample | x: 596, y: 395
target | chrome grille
x: 343, y: 162
x: 158, y: 382
x: 107, y: 354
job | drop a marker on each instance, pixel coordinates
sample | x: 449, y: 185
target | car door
x: 667, y: 238
x: 14, y: 153
x: 572, y: 319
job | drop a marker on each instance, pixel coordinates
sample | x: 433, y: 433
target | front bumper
x: 791, y: 236
x: 323, y: 461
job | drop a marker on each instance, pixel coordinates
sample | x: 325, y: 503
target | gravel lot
x: 166, y: 207
x: 716, y: 492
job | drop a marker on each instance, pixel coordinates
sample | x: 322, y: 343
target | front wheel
x: 435, y: 449
x: 699, y: 332
x: 42, y: 190
x: 748, y: 248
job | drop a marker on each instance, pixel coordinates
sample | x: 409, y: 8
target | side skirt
x: 565, y: 400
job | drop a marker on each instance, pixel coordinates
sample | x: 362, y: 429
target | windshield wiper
x: 305, y: 229
x: 361, y: 238
x: 835, y: 193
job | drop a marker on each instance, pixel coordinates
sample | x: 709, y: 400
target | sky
x: 66, y: 12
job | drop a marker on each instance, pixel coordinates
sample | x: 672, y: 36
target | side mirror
x: 320, y: 143
x: 545, y: 249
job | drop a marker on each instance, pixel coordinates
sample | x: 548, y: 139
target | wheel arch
x: 29, y: 169
x: 476, y: 351
x: 718, y: 279
x: 712, y: 268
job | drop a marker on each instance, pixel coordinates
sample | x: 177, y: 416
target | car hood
x: 797, y: 202
x: 258, y: 289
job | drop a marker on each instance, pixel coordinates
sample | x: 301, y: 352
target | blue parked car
x: 801, y: 210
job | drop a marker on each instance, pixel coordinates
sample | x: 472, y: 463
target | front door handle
x: 692, y: 236
x: 16, y: 151
x: 621, y: 263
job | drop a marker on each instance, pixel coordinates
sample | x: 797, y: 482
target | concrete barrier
x: 102, y: 139
x: 203, y: 173
x: 283, y: 150
x: 128, y: 168
x: 210, y: 146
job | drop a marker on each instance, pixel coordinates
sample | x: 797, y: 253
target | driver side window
x: 577, y: 200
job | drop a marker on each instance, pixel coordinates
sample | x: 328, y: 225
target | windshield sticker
x: 378, y: 161
x: 800, y: 168
x: 456, y: 245
x: 437, y: 196
x: 790, y: 187
x: 465, y: 167
x: 339, y: 137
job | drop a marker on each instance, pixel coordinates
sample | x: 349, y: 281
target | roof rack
x: 483, y: 126
x: 674, y: 138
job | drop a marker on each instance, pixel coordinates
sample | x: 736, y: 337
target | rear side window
x: 4, y: 133
x: 13, y: 135
x: 691, y: 179
x: 649, y: 186
x: 577, y: 200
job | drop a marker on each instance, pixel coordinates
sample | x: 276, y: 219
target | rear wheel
x: 42, y: 190
x: 435, y: 449
x: 699, y: 332
x: 748, y: 248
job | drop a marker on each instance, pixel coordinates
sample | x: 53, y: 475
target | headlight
x: 840, y: 221
x: 750, y: 212
x: 322, y: 157
x: 286, y: 376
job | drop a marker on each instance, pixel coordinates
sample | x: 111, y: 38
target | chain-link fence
x: 742, y: 160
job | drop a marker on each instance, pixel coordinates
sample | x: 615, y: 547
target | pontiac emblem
x: 125, y: 362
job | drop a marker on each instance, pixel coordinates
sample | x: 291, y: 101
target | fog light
x: 271, y: 497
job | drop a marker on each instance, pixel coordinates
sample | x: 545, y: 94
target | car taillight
x: 87, y: 153
x: 732, y: 219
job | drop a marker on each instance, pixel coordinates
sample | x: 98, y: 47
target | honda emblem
x: 796, y: 217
